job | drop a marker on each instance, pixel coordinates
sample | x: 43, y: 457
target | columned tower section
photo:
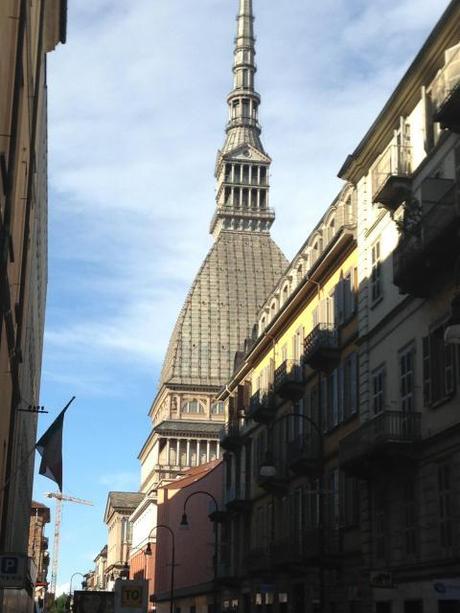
x: 239, y: 271
x: 242, y: 168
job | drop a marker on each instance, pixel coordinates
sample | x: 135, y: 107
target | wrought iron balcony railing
x: 289, y: 380
x: 321, y: 347
x: 445, y: 92
x: 262, y: 406
x: 429, y: 244
x: 230, y: 437
x: 389, y: 435
x: 303, y: 454
x: 390, y: 176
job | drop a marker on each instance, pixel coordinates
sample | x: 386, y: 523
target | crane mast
x: 60, y: 498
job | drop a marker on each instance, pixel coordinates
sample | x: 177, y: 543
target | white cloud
x: 120, y: 481
x: 137, y: 111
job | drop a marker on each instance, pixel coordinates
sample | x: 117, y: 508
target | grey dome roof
x: 233, y: 282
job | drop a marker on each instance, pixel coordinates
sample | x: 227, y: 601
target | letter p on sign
x: 9, y: 565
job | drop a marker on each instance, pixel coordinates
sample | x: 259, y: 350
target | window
x: 410, y: 517
x: 339, y: 391
x: 445, y: 504
x: 438, y: 368
x: 378, y: 390
x: 350, y: 385
x: 333, y: 499
x: 284, y: 353
x: 217, y: 408
x: 380, y: 524
x: 406, y: 379
x: 376, y: 273
x: 349, y: 500
x: 297, y: 343
x: 192, y: 406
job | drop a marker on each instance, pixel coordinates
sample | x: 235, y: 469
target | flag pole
x: 26, y: 459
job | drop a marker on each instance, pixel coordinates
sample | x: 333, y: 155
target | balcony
x: 309, y: 549
x: 382, y: 443
x: 236, y: 500
x: 445, y: 92
x: 230, y: 436
x: 257, y: 561
x: 262, y: 407
x: 303, y: 454
x: 328, y: 540
x: 227, y: 575
x: 391, y: 180
x: 428, y: 247
x: 289, y: 383
x: 321, y: 347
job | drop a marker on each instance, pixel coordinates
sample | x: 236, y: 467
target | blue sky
x: 136, y: 114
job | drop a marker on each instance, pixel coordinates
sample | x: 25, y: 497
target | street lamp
x: 71, y: 579
x: 214, y: 518
x: 268, y: 470
x: 148, y: 552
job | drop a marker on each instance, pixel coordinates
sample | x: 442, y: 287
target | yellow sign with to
x: 132, y: 597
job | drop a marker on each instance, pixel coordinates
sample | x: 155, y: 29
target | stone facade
x: 28, y: 31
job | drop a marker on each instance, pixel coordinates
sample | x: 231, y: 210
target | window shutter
x: 335, y: 399
x: 323, y: 403
x: 353, y: 383
x: 426, y: 348
x: 340, y: 408
x: 338, y: 302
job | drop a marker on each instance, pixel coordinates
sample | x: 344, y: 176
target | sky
x: 136, y: 115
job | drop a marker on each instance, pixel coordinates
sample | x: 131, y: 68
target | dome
x: 233, y: 282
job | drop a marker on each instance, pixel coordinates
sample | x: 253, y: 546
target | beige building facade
x: 38, y: 550
x: 119, y: 507
x: 28, y: 31
x: 407, y: 449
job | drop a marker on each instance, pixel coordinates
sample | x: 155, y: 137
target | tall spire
x: 242, y: 167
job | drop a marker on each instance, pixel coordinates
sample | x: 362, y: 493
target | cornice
x: 406, y: 95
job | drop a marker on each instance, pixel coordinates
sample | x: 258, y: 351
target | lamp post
x: 148, y: 552
x: 71, y: 579
x: 268, y: 469
x: 184, y: 523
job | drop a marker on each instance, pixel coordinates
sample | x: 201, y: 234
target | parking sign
x: 13, y: 570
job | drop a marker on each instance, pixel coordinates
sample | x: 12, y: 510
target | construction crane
x: 60, y: 498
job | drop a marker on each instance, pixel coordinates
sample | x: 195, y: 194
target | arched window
x: 331, y: 229
x: 193, y: 407
x: 299, y: 273
x: 285, y: 294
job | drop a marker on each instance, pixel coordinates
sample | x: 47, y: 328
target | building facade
x: 198, y: 494
x: 38, y: 549
x: 342, y: 447
x: 291, y: 513
x: 28, y: 31
x: 119, y: 507
x: 406, y: 451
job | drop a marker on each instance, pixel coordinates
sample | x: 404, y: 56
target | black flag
x: 50, y: 448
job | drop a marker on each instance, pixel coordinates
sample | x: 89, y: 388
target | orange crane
x: 60, y: 498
